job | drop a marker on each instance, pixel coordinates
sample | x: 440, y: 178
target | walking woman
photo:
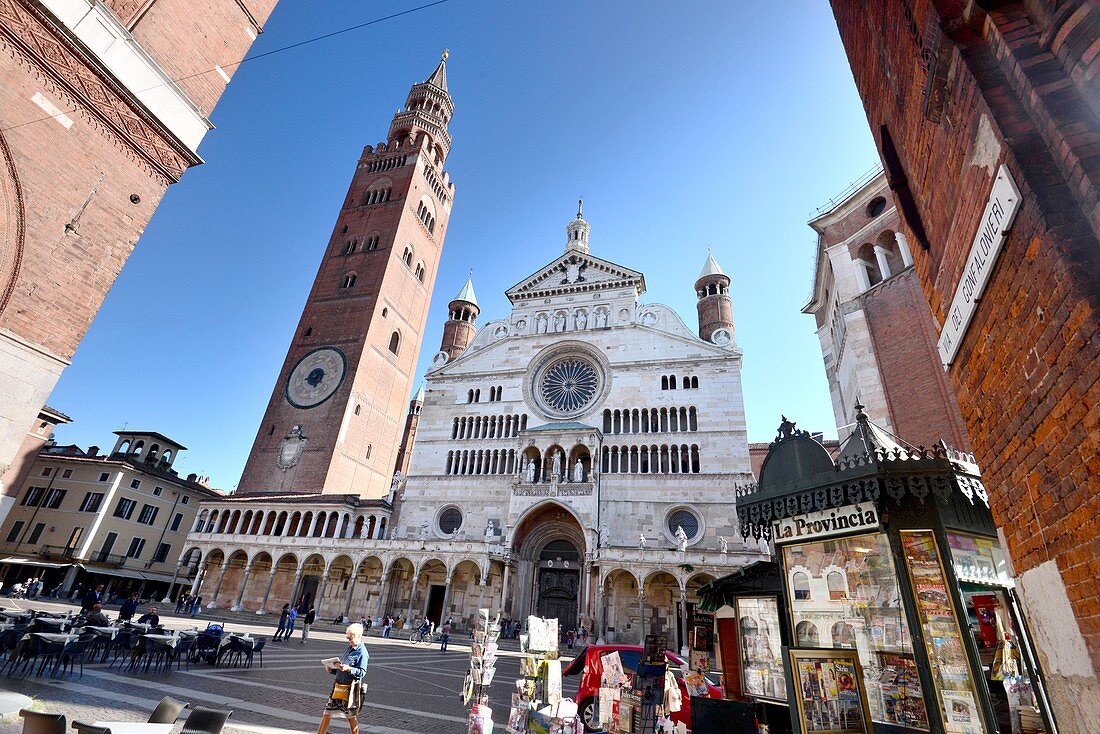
x: 280, y: 631
x: 346, y: 698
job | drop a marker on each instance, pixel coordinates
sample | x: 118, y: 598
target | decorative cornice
x: 50, y: 53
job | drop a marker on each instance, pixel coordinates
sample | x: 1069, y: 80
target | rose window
x: 569, y: 385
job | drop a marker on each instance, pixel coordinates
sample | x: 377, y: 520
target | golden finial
x: 446, y: 53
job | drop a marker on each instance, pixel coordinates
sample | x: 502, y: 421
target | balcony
x: 57, y: 552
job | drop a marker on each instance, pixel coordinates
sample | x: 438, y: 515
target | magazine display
x: 483, y: 658
x: 537, y: 703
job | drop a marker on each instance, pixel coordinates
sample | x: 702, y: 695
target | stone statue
x: 393, y: 533
x: 605, y: 536
x: 641, y: 540
x: 423, y: 535
x: 398, y: 477
x: 559, y: 322
x: 490, y: 532
x: 723, y: 545
x: 541, y: 323
x: 601, y: 319
x: 555, y: 467
x: 580, y: 320
x: 529, y: 472
x: 578, y: 472
x: 681, y: 538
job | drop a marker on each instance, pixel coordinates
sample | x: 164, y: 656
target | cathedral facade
x: 577, y: 458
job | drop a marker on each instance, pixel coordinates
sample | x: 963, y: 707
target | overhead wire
x: 247, y: 59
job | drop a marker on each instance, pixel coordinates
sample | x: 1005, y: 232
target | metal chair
x: 257, y: 648
x: 83, y: 728
x: 205, y: 721
x: 75, y: 652
x: 167, y: 711
x: 36, y: 722
x: 182, y: 651
x: 50, y: 652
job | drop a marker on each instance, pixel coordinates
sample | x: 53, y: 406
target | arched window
x: 672, y: 382
x: 368, y: 450
x: 843, y: 635
x: 470, y: 396
x: 372, y: 243
x: 138, y: 448
x: 407, y: 256
x: 694, y: 383
x: 349, y: 248
x: 420, y: 272
x: 801, y: 583
x: 477, y: 396
x: 395, y: 342
x: 838, y: 589
x: 806, y: 634
x: 357, y: 408
x: 349, y: 281
x: 664, y: 382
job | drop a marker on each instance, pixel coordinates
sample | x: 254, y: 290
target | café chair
x: 36, y: 722
x: 167, y: 711
x: 257, y: 648
x: 83, y: 728
x: 182, y: 651
x: 50, y: 652
x: 75, y: 652
x: 205, y: 721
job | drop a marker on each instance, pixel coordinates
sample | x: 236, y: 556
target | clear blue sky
x: 684, y: 125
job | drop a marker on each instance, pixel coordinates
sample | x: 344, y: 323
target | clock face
x: 316, y: 377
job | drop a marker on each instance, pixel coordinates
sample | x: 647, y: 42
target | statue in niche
x: 423, y: 534
x: 580, y: 320
x: 490, y: 532
x: 559, y: 321
x: 393, y: 533
x: 555, y: 466
x: 723, y: 545
x: 605, y: 536
x: 529, y: 472
x: 578, y: 471
x: 541, y: 323
x: 681, y: 538
x: 642, y: 541
x: 601, y: 319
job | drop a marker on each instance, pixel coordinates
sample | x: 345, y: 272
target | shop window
x: 762, y: 673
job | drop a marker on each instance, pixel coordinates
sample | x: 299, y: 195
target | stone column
x: 351, y: 593
x: 294, y: 587
x: 240, y: 594
x: 218, y: 587
x: 481, y: 596
x: 382, y: 593
x: 641, y: 616
x: 903, y: 248
x: 412, y: 598
x: 197, y: 581
x: 321, y: 588
x: 168, y: 598
x: 504, y: 605
x: 600, y: 633
x: 883, y: 265
x: 267, y: 593
x: 446, y: 599
x: 860, y: 267
x: 684, y: 627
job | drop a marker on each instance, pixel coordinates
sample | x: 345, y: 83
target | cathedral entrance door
x: 435, y: 604
x: 557, y: 596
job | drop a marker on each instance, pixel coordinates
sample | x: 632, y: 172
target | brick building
x: 93, y: 130
x: 987, y: 119
x: 877, y: 336
x: 336, y: 415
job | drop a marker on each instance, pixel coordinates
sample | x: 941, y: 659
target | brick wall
x: 959, y: 94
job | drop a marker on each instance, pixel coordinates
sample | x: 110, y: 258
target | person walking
x: 444, y: 635
x: 291, y: 616
x: 307, y: 621
x: 91, y: 598
x: 346, y: 698
x: 281, y: 629
x: 129, y: 608
x: 387, y: 624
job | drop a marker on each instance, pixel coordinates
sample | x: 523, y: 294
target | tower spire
x: 577, y: 231
x: 428, y: 110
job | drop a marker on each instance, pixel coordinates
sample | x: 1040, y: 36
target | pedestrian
x: 129, y: 607
x: 196, y: 607
x: 91, y: 598
x: 292, y: 615
x: 307, y: 620
x: 387, y: 623
x: 181, y: 602
x: 444, y: 635
x: 366, y: 622
x: 346, y: 698
x: 584, y: 635
x: 284, y: 615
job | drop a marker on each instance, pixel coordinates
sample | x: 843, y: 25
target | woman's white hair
x: 356, y: 628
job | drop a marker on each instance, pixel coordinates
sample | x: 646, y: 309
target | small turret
x: 461, y: 324
x: 715, y: 305
x: 577, y: 231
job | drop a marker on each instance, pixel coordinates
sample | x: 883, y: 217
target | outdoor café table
x: 108, y: 632
x: 135, y: 727
x: 223, y: 645
x: 52, y: 636
x: 15, y: 615
x: 59, y: 622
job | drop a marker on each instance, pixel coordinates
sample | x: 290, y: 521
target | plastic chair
x: 50, y: 652
x: 167, y: 711
x: 257, y: 648
x: 182, y: 651
x: 73, y: 652
x: 121, y: 645
x: 205, y: 721
x: 36, y: 722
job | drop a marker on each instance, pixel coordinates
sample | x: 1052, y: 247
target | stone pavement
x: 413, y: 689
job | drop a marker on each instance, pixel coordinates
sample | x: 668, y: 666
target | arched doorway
x: 549, y: 546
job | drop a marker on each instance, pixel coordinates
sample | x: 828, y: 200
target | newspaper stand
x: 483, y: 654
x: 537, y: 704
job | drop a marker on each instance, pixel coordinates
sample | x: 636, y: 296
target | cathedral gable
x: 576, y: 272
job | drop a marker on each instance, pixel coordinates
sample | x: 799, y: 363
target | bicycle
x: 421, y: 636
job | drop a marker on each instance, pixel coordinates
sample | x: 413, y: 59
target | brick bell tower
x: 461, y: 324
x: 715, y: 305
x: 335, y: 418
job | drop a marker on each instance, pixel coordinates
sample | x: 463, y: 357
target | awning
x: 31, y: 562
x: 133, y: 573
x: 761, y: 577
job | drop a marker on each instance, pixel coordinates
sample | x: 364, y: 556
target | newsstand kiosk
x: 895, y: 601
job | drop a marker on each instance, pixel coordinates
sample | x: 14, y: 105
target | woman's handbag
x: 341, y: 691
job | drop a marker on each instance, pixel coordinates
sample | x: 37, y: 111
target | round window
x: 568, y: 385
x: 450, y: 520
x: 684, y: 519
x: 876, y: 207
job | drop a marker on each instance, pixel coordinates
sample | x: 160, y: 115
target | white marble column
x: 240, y: 593
x: 860, y: 267
x: 267, y: 593
x: 903, y: 248
x: 351, y: 593
x: 641, y: 617
x: 684, y: 624
x: 218, y: 587
x: 883, y: 264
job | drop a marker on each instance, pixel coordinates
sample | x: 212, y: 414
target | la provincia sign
x: 1000, y: 211
x: 824, y: 524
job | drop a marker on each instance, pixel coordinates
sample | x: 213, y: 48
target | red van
x: 589, y: 665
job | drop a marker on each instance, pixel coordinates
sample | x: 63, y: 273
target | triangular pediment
x: 577, y: 272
